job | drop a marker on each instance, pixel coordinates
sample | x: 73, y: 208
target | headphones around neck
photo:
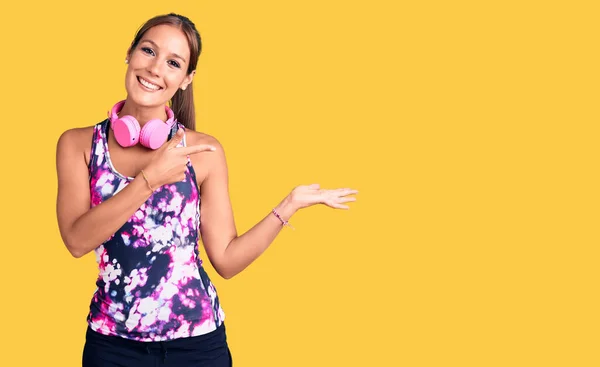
x: 127, y: 129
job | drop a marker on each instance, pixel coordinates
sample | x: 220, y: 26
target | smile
x: 147, y: 85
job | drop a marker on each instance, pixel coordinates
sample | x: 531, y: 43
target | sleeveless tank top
x: 151, y: 284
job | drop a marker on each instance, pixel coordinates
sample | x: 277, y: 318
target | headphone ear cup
x: 127, y: 131
x: 154, y: 134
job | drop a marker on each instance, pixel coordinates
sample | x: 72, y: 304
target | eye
x: 147, y: 50
x: 174, y: 63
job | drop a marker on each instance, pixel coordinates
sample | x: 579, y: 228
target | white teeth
x: 148, y: 85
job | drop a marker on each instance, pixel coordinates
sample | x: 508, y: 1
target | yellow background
x: 470, y: 128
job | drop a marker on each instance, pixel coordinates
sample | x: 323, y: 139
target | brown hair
x: 182, y: 102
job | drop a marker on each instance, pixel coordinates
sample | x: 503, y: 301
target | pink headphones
x: 127, y: 129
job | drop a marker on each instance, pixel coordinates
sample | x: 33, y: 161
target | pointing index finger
x: 192, y: 149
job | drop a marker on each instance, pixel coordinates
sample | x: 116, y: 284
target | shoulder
x: 76, y: 136
x: 197, y: 138
x: 209, y: 163
x: 75, y: 140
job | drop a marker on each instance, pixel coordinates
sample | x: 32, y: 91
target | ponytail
x: 182, y: 105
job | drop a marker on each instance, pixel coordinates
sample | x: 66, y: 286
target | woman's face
x: 158, y: 66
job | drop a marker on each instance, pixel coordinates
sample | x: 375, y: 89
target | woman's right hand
x: 170, y: 162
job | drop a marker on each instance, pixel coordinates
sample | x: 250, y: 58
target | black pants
x: 209, y: 350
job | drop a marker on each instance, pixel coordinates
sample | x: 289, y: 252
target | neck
x: 143, y: 114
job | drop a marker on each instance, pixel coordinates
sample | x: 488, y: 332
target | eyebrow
x: 155, y: 45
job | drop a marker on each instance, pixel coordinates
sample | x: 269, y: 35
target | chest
x: 129, y: 161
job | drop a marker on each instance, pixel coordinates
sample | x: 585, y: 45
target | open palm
x: 307, y: 195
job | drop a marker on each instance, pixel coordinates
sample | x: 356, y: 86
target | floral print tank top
x: 151, y: 284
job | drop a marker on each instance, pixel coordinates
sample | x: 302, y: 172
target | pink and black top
x: 151, y: 284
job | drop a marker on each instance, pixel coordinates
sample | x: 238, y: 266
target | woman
x: 141, y: 197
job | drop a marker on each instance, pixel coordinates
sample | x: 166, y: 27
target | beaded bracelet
x: 283, y: 222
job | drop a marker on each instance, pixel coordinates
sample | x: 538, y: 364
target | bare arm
x: 230, y: 253
x: 83, y: 229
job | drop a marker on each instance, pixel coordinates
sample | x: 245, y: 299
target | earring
x: 183, y: 88
x: 127, y: 61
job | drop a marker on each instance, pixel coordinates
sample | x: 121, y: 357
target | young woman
x: 138, y: 189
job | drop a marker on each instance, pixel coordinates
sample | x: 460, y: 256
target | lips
x: 149, y: 86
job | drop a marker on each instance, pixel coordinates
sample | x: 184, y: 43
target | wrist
x: 286, y: 208
x: 147, y: 180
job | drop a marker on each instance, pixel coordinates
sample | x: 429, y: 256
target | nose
x: 154, y: 67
